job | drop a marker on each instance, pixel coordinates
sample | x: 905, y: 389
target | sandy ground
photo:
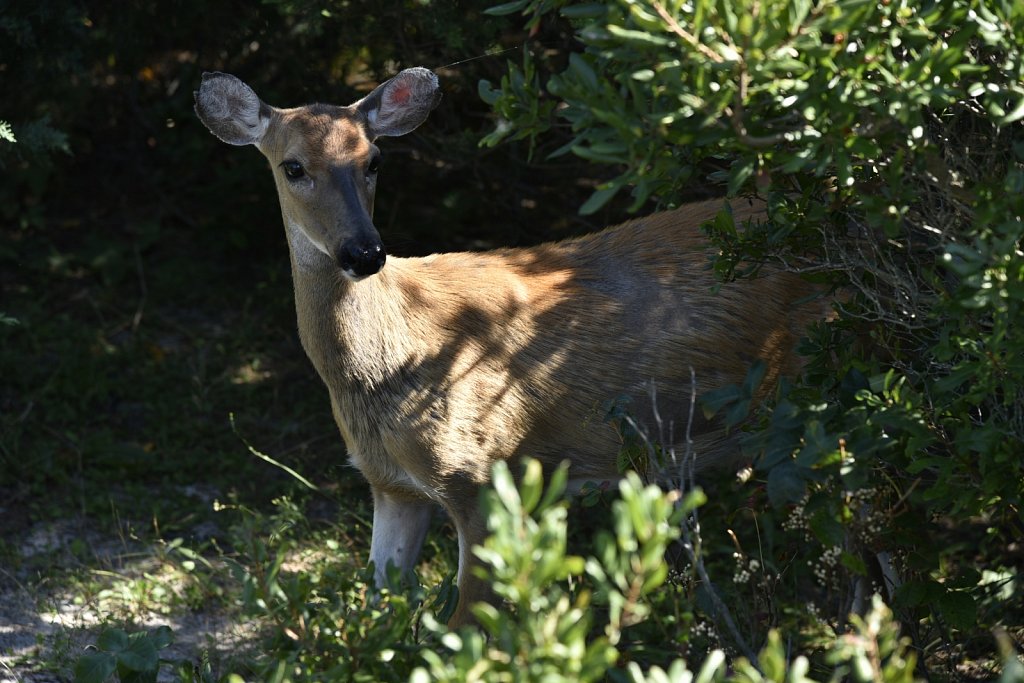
x: 44, y: 629
x: 42, y: 645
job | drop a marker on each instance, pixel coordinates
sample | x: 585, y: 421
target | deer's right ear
x: 231, y: 110
x: 399, y: 105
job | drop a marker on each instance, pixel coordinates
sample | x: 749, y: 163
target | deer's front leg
x: 399, y: 527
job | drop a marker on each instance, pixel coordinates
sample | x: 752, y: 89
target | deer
x: 438, y: 366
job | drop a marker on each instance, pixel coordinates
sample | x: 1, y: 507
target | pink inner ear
x: 399, y: 93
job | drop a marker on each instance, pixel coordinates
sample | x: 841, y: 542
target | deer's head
x: 323, y: 156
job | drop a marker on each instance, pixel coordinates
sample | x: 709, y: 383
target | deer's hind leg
x: 472, y: 531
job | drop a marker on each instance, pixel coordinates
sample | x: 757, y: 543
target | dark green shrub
x: 888, y: 140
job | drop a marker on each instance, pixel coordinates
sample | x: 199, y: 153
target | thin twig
x: 690, y: 528
x: 736, y: 117
x: 143, y: 291
x: 691, y: 539
x: 686, y: 35
x: 12, y: 671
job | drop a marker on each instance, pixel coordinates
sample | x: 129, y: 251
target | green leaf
x: 693, y: 499
x: 162, y: 636
x: 507, y: 8
x: 826, y: 529
x: 6, y: 133
x: 917, y: 592
x: 725, y: 223
x: 862, y: 669
x: 754, y: 376
x: 594, y: 153
x: 556, y: 485
x: 582, y: 68
x: 600, y: 197
x: 447, y: 599
x: 713, y: 401
x: 959, y: 609
x: 785, y: 484
x: 713, y: 667
x: 820, y: 448
x: 140, y: 655
x: 955, y: 379
x: 969, y: 577
x: 740, y: 173
x: 112, y: 640
x: 773, y: 657
x: 780, y: 447
x: 853, y: 563
x: 737, y: 413
x: 728, y: 13
x: 639, y: 39
x: 531, y: 485
x: 590, y: 10
x: 505, y: 487
x: 1016, y: 114
x: 95, y: 667
x: 487, y: 92
x: 798, y: 10
x: 147, y: 676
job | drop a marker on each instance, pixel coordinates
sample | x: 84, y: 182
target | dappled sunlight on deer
x: 438, y: 367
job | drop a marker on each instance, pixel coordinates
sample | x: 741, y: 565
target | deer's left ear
x: 401, y: 104
x: 231, y: 110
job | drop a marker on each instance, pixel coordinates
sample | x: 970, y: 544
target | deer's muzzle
x: 361, y: 258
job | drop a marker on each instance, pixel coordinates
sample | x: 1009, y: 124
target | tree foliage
x: 888, y: 140
x: 544, y: 634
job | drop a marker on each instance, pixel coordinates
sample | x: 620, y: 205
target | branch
x: 736, y: 114
x: 691, y: 549
x: 736, y: 117
x: 691, y: 540
x: 686, y: 35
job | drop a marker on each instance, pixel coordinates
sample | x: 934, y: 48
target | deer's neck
x: 355, y: 333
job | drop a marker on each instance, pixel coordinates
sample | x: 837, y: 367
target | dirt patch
x: 40, y: 643
x: 54, y: 602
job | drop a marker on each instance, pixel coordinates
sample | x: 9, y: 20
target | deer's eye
x: 293, y: 169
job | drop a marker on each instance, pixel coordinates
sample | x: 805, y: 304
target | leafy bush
x: 545, y: 635
x: 133, y: 657
x: 563, y: 617
x: 554, y: 602
x: 888, y: 140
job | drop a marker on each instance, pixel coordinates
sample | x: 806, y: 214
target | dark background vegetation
x: 145, y: 290
x: 145, y: 298
x: 144, y: 261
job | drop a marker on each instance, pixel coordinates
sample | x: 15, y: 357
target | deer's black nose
x: 361, y: 258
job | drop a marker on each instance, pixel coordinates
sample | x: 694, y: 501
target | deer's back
x: 523, y: 351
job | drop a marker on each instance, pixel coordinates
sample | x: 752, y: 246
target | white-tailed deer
x: 439, y: 366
